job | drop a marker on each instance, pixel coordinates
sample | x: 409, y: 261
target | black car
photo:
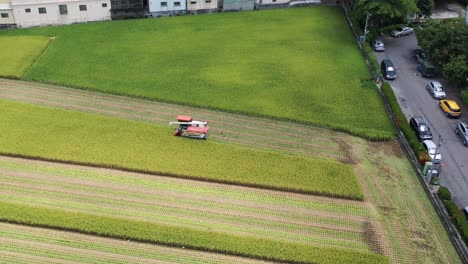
x: 388, y: 70
x: 421, y: 128
x: 419, y: 55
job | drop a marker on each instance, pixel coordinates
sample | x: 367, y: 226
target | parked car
x: 450, y: 108
x: 465, y: 212
x: 436, y: 89
x: 419, y: 55
x: 420, y: 127
x: 402, y: 31
x: 388, y: 70
x: 431, y: 149
x: 378, y: 45
x: 462, y: 132
x: 426, y: 68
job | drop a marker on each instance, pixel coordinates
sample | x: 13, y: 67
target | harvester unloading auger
x: 190, y: 128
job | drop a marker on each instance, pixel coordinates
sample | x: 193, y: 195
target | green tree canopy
x: 385, y: 12
x: 446, y: 42
x: 425, y: 7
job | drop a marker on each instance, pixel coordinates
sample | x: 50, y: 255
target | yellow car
x: 450, y: 108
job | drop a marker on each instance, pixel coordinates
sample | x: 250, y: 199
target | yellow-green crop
x: 58, y: 134
x: 17, y: 53
x: 299, y: 64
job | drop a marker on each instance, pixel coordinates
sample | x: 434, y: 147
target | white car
x: 378, y: 45
x: 402, y: 31
x: 431, y: 148
x: 436, y: 89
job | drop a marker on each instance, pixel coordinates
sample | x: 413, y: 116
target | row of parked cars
x: 435, y: 89
x: 424, y: 134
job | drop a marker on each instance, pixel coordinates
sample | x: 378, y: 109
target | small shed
x: 238, y: 5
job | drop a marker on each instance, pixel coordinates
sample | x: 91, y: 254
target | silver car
x: 436, y: 89
x: 402, y: 31
x: 462, y: 131
x: 431, y: 149
x: 378, y: 45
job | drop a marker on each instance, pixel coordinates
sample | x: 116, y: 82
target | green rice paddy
x: 298, y: 64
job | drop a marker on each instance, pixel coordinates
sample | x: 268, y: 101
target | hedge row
x: 373, y: 60
x: 464, y: 95
x: 175, y: 236
x: 458, y: 218
x: 401, y: 121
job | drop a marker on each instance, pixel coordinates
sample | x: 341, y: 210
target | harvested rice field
x: 24, y: 244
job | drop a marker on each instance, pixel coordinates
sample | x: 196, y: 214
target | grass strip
x: 180, y: 237
x: 83, y: 138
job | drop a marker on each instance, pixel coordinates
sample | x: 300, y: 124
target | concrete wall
x: 27, y: 14
x: 272, y: 2
x: 6, y: 13
x: 193, y: 5
x: 238, y: 5
x: 158, y: 7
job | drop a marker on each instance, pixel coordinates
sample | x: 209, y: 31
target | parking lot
x: 414, y: 99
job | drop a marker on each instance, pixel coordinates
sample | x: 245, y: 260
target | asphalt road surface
x: 414, y: 99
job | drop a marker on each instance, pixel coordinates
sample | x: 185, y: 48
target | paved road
x: 414, y: 99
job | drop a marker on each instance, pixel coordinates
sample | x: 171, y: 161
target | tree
x: 444, y: 40
x: 456, y: 69
x: 385, y: 12
x: 425, y: 7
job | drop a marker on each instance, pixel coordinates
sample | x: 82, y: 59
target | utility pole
x: 365, y: 27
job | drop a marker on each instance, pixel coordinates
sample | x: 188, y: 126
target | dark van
x: 388, y: 70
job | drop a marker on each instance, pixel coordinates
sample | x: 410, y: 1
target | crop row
x: 216, y: 62
x: 22, y: 244
x: 239, y: 129
x: 56, y: 134
x: 180, y: 236
x: 201, y: 206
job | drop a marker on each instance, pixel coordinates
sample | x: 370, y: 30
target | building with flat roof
x: 30, y: 13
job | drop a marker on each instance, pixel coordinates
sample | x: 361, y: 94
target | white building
x: 167, y: 7
x: 195, y: 6
x: 6, y: 14
x: 29, y: 13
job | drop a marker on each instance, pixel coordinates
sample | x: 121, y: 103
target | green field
x: 81, y: 137
x: 18, y: 53
x: 300, y: 64
x: 215, y: 217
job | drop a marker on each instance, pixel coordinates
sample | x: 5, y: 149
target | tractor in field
x: 190, y: 128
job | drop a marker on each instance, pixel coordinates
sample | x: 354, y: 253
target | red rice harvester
x: 190, y: 128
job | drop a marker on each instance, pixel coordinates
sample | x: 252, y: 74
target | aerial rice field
x: 283, y: 63
x: 56, y: 134
x: 18, y: 53
x: 183, y: 212
x: 21, y: 244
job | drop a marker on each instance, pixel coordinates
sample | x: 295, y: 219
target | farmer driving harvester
x: 190, y: 128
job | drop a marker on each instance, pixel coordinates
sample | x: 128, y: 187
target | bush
x: 457, y: 217
x: 423, y: 157
x: 464, y: 95
x: 444, y: 193
x: 400, y: 119
x: 372, y: 59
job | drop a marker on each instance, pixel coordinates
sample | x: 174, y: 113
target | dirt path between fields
x: 233, y: 128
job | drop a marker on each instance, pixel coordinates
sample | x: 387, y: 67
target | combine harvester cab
x: 190, y: 128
